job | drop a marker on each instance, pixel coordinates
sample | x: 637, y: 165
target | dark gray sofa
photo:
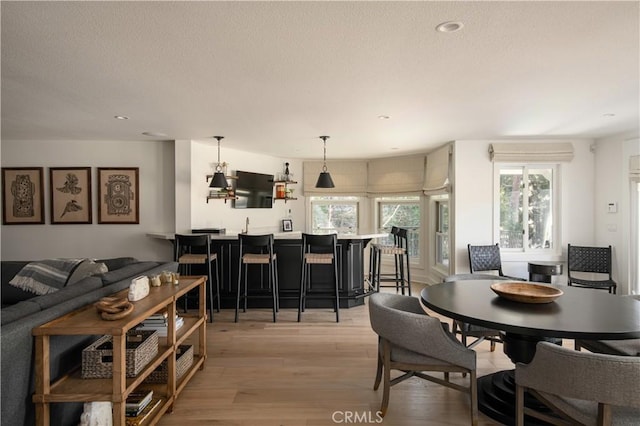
x: 21, y: 312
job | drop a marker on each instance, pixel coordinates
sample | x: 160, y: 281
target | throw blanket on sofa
x: 45, y: 276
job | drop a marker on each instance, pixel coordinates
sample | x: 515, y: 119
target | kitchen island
x: 288, y: 247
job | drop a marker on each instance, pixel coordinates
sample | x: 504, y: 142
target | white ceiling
x: 273, y: 76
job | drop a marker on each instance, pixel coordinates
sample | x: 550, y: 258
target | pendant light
x: 324, y: 180
x: 218, y: 180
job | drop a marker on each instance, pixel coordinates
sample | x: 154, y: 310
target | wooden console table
x: 86, y: 321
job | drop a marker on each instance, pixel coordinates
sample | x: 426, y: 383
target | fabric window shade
x: 634, y: 167
x: 531, y: 152
x: 349, y: 177
x: 436, y: 175
x: 395, y: 175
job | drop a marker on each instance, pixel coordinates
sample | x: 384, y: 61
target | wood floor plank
x: 312, y: 373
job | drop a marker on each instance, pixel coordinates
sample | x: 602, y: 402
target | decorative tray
x: 526, y: 292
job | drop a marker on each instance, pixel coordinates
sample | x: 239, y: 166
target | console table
x: 86, y: 321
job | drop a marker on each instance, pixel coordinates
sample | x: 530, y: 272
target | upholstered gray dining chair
x: 413, y: 342
x: 580, y: 387
x: 629, y: 347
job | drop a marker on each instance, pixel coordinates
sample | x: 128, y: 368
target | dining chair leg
x: 386, y: 387
x: 376, y: 384
x: 239, y: 287
x: 274, y: 288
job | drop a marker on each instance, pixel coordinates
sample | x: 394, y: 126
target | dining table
x: 577, y: 313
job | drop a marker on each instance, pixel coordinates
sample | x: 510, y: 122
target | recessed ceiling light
x: 608, y: 115
x: 449, y: 27
x: 121, y: 117
x: 384, y: 117
x: 155, y: 134
x: 394, y: 148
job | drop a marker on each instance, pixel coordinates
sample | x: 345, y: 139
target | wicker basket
x: 97, y: 361
x: 184, y: 360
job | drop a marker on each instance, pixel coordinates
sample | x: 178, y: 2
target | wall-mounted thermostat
x: 612, y: 208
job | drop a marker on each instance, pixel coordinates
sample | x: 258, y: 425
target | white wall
x: 156, y: 163
x: 218, y: 214
x: 612, y: 186
x: 473, y: 203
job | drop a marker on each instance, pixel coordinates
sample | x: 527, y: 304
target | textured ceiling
x: 273, y: 76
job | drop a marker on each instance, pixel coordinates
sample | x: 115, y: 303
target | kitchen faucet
x: 246, y: 226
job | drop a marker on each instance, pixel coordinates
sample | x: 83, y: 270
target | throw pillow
x: 87, y: 268
x: 45, y: 276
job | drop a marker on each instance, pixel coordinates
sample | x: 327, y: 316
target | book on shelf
x: 144, y: 414
x: 160, y: 328
x: 138, y: 401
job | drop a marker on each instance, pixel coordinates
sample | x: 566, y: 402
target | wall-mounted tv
x: 253, y: 191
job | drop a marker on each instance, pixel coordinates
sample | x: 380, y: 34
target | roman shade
x: 531, y: 152
x: 634, y: 167
x: 395, y: 175
x: 436, y: 176
x: 349, y: 177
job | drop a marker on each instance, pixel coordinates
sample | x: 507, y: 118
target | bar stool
x: 401, y: 275
x: 318, y: 250
x: 186, y: 257
x: 257, y: 250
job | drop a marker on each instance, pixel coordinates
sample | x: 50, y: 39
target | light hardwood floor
x: 310, y: 373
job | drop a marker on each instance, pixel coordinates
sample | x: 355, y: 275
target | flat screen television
x: 253, y: 191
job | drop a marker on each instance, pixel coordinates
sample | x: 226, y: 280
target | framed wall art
x: 287, y: 225
x: 70, y: 195
x: 118, y: 195
x: 22, y: 196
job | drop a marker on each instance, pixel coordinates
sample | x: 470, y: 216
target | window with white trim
x: 334, y: 214
x: 442, y: 233
x: 403, y: 212
x: 526, y: 197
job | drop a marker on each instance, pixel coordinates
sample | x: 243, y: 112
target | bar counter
x: 288, y: 248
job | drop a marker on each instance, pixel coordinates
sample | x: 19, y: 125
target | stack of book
x: 159, y: 322
x: 144, y: 414
x: 137, y: 401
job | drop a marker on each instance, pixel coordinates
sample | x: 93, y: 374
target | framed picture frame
x: 22, y: 196
x: 118, y: 195
x: 287, y: 225
x: 70, y: 195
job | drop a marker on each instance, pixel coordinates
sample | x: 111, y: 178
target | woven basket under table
x: 184, y: 360
x: 142, y: 347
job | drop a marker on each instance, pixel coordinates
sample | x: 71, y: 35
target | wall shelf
x: 222, y: 195
x: 284, y: 189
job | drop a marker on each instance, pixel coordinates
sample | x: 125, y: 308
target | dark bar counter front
x: 288, y: 248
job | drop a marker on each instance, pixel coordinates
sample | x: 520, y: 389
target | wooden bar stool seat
x: 196, y: 250
x: 257, y: 250
x: 319, y: 250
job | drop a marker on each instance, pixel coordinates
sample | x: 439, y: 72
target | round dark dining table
x: 577, y: 314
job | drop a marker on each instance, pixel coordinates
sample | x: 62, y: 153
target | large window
x: 334, y: 214
x: 526, y: 211
x: 403, y: 212
x: 442, y: 233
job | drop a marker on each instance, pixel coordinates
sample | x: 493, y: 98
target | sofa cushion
x: 45, y: 276
x: 68, y: 293
x: 130, y: 271
x: 87, y: 268
x: 117, y: 262
x: 17, y: 311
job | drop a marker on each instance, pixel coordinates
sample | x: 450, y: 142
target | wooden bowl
x: 526, y: 292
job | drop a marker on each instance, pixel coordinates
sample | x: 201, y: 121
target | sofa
x: 22, y: 311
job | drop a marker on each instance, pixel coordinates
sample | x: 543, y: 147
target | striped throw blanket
x: 45, y: 276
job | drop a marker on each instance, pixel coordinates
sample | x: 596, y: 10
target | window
x: 526, y: 212
x: 403, y: 212
x: 339, y: 214
x: 442, y: 233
